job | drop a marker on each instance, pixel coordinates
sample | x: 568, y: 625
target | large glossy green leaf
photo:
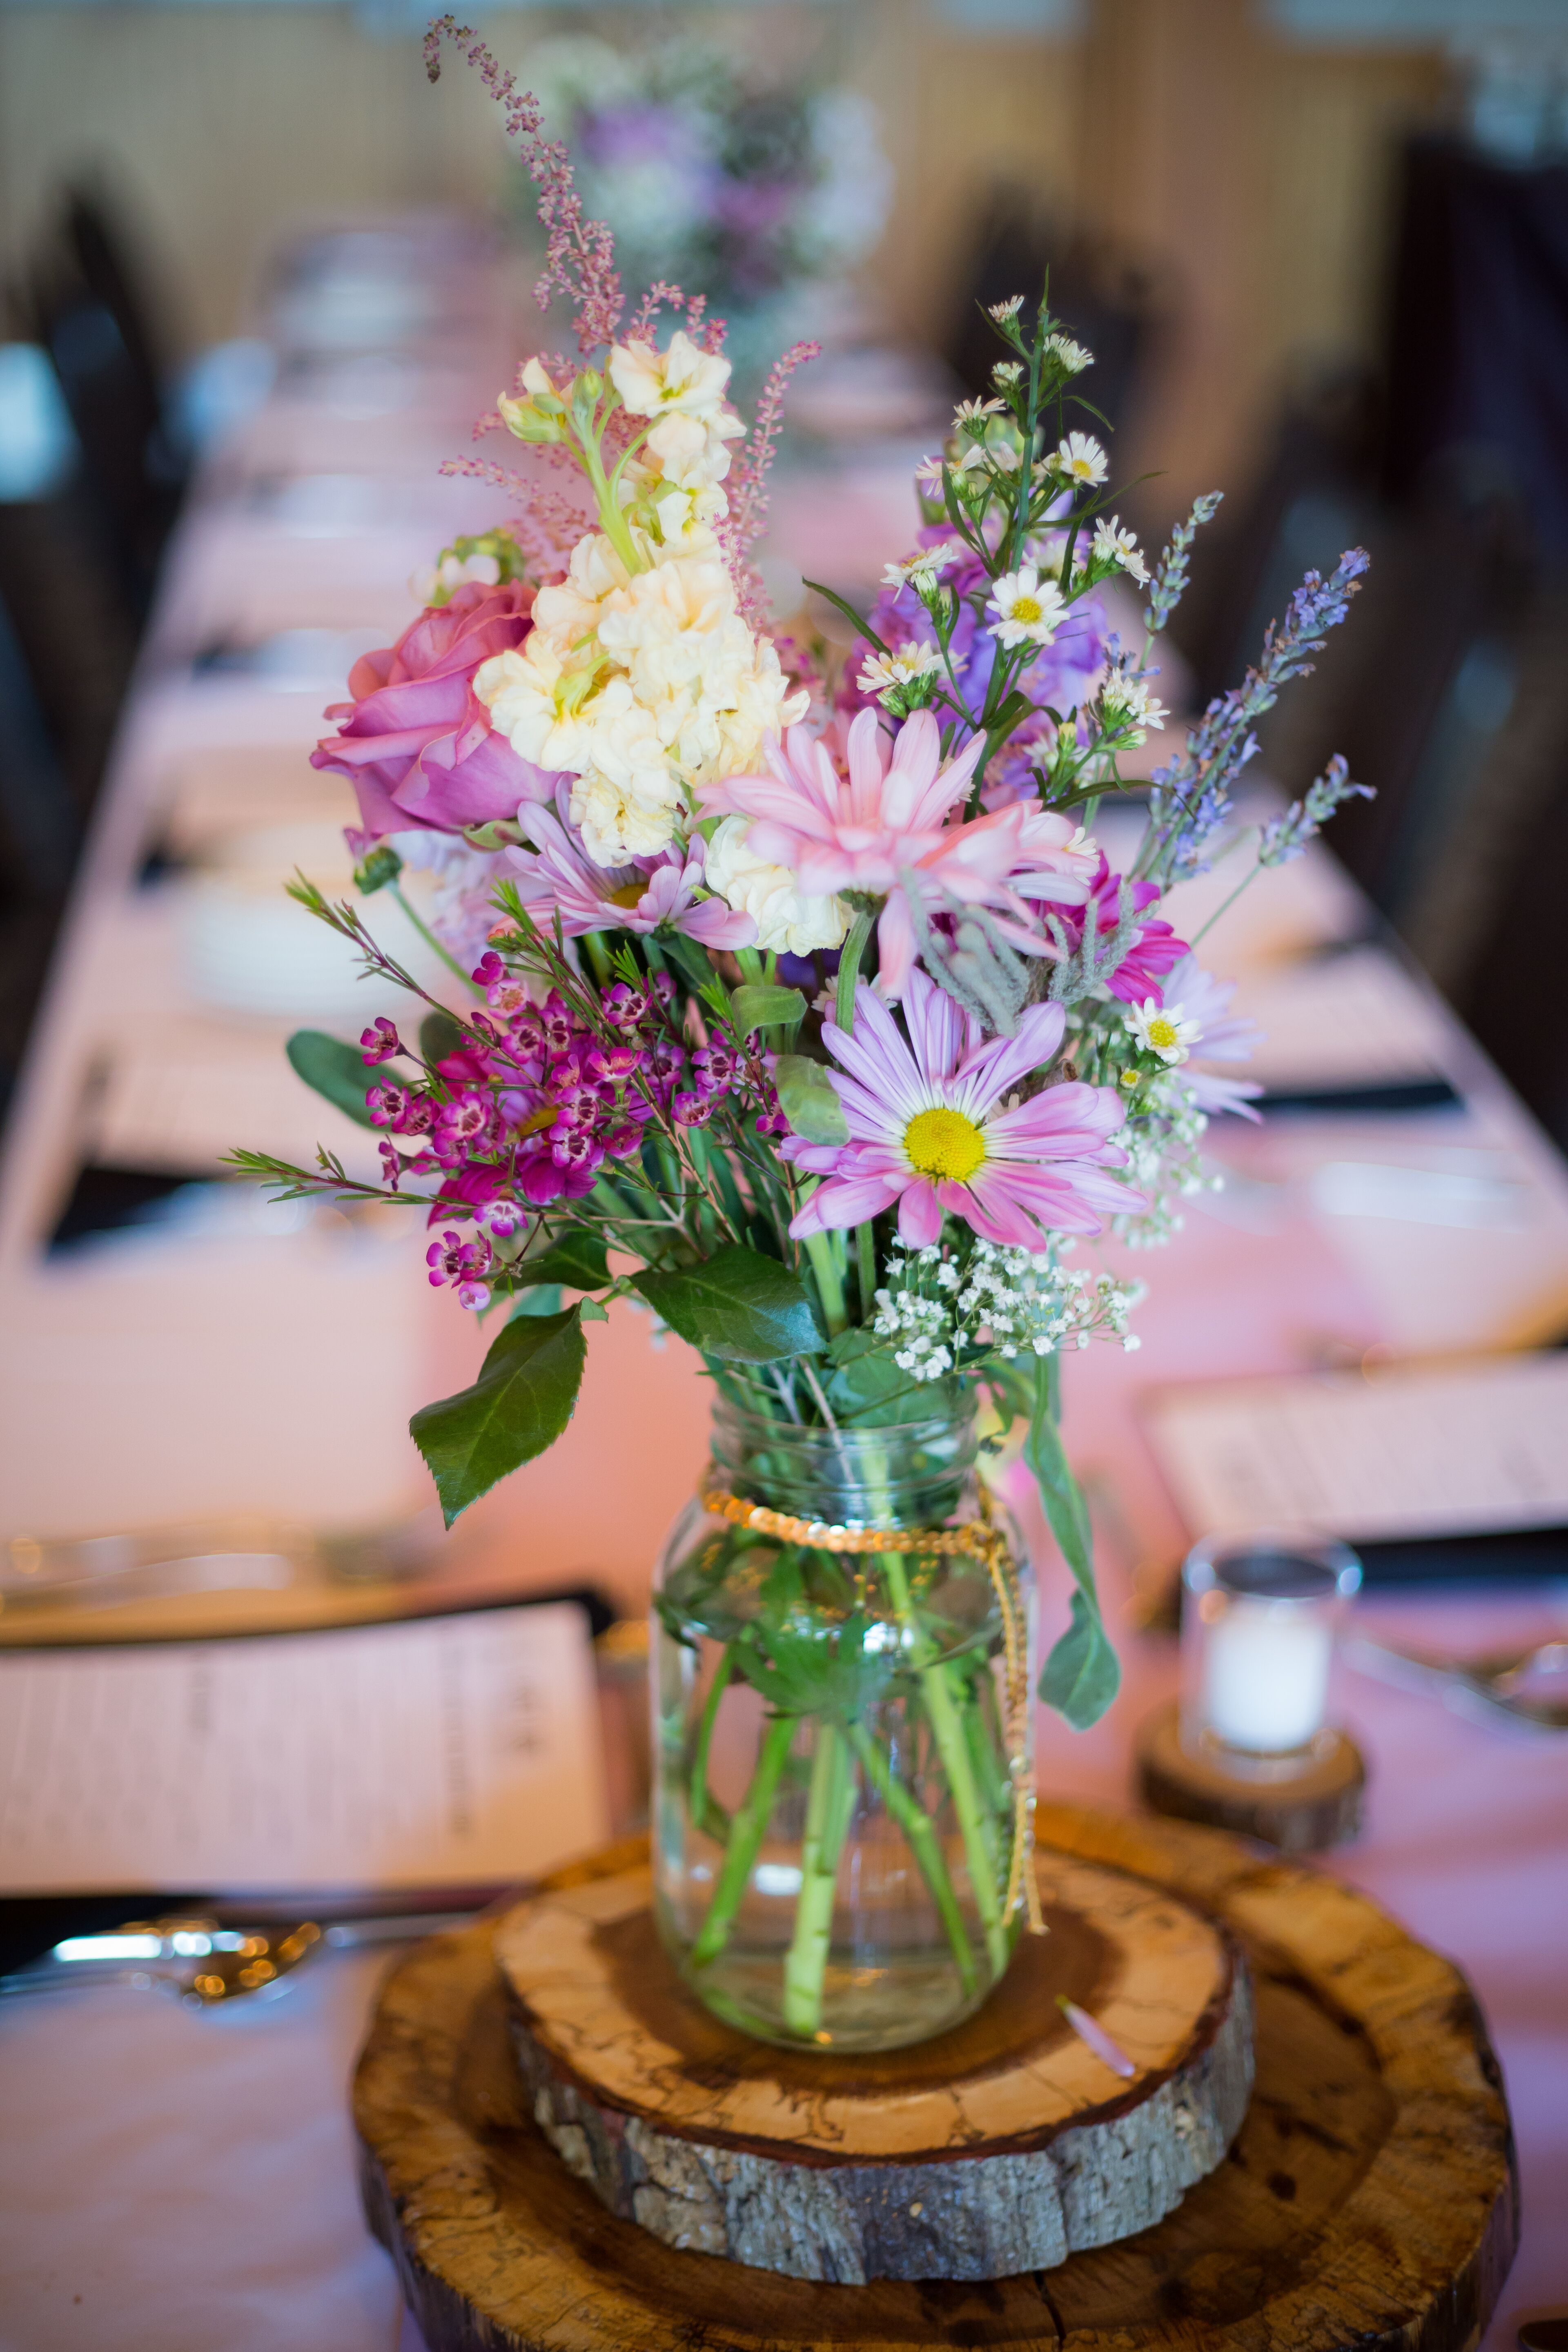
x: 758, y: 1005
x: 738, y: 1306
x: 335, y: 1070
x: 575, y: 1260
x: 808, y: 1100
x: 1081, y: 1675
x: 439, y: 1034
x: 519, y: 1405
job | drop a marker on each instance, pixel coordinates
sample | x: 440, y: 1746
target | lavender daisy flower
x: 931, y: 1128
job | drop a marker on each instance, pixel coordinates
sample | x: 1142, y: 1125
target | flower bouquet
x: 806, y: 1012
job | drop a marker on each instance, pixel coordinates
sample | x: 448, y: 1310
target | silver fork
x: 203, y: 1963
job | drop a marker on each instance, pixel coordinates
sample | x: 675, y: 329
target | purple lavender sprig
x: 1169, y: 581
x: 1190, y: 799
x: 1284, y: 838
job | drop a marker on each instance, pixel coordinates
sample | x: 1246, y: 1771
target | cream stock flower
x: 788, y: 921
x: 691, y: 449
x: 685, y: 378
x: 642, y: 685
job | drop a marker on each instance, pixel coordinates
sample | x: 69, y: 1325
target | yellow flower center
x: 1027, y: 609
x: 629, y: 895
x: 944, y: 1143
x: 1162, y: 1034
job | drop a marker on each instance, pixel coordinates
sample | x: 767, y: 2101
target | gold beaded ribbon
x: 979, y: 1540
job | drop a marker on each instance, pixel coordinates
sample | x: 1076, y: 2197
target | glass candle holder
x: 1258, y: 1620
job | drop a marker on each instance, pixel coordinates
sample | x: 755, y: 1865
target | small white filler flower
x: 1114, y: 545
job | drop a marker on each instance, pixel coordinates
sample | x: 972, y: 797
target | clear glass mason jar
x: 841, y: 1737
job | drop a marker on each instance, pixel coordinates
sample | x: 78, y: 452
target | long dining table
x: 183, y: 2181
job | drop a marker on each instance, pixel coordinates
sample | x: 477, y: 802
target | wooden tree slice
x: 1367, y: 2205
x: 994, y: 2149
x: 1317, y: 1808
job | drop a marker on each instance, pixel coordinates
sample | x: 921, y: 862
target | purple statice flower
x: 936, y: 1128
x: 462, y: 1264
x: 1190, y: 801
x: 380, y: 1040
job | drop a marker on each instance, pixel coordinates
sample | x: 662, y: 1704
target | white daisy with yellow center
x: 1078, y: 459
x: 1165, y: 1030
x: 1028, y: 608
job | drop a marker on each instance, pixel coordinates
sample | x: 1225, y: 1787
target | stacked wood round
x: 1367, y: 2199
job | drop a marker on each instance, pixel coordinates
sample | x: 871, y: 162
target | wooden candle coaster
x: 1314, y: 1809
x: 1368, y: 2200
x: 994, y: 2149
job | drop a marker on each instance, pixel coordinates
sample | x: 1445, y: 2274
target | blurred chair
x: 1514, y: 991
x: 1477, y: 328
x: 1430, y: 652
x: 66, y: 650
x: 1312, y: 499
x: 86, y: 312
x: 1104, y: 300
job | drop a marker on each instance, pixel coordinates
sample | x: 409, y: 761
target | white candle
x: 1266, y: 1673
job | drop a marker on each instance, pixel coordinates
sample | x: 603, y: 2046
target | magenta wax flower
x: 931, y: 1128
x: 462, y: 1264
x: 416, y: 741
x: 380, y: 1040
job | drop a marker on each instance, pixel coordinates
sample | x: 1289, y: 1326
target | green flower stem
x: 429, y: 936
x: 866, y: 1268
x: 830, y: 1805
x: 746, y: 1833
x: 924, y: 1844
x: 823, y: 1251
x: 705, y: 1812
x: 953, y: 1746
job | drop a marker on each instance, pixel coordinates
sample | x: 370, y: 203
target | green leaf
x: 866, y: 1387
x: 439, y: 1036
x: 335, y: 1070
x: 576, y: 1259
x: 808, y: 1099
x: 1081, y: 1675
x: 819, y: 1669
x: 862, y: 628
x: 544, y: 1298
x: 757, y: 1005
x: 519, y: 1405
x: 739, y: 1305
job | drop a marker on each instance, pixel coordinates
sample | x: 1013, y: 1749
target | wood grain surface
x: 1368, y: 2205
x: 1315, y: 1809
x: 994, y: 2149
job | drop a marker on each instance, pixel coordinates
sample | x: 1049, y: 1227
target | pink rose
x: 415, y: 742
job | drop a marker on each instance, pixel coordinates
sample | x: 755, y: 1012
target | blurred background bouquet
x: 757, y: 188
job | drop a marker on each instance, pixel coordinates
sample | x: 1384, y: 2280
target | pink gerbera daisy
x: 931, y: 1128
